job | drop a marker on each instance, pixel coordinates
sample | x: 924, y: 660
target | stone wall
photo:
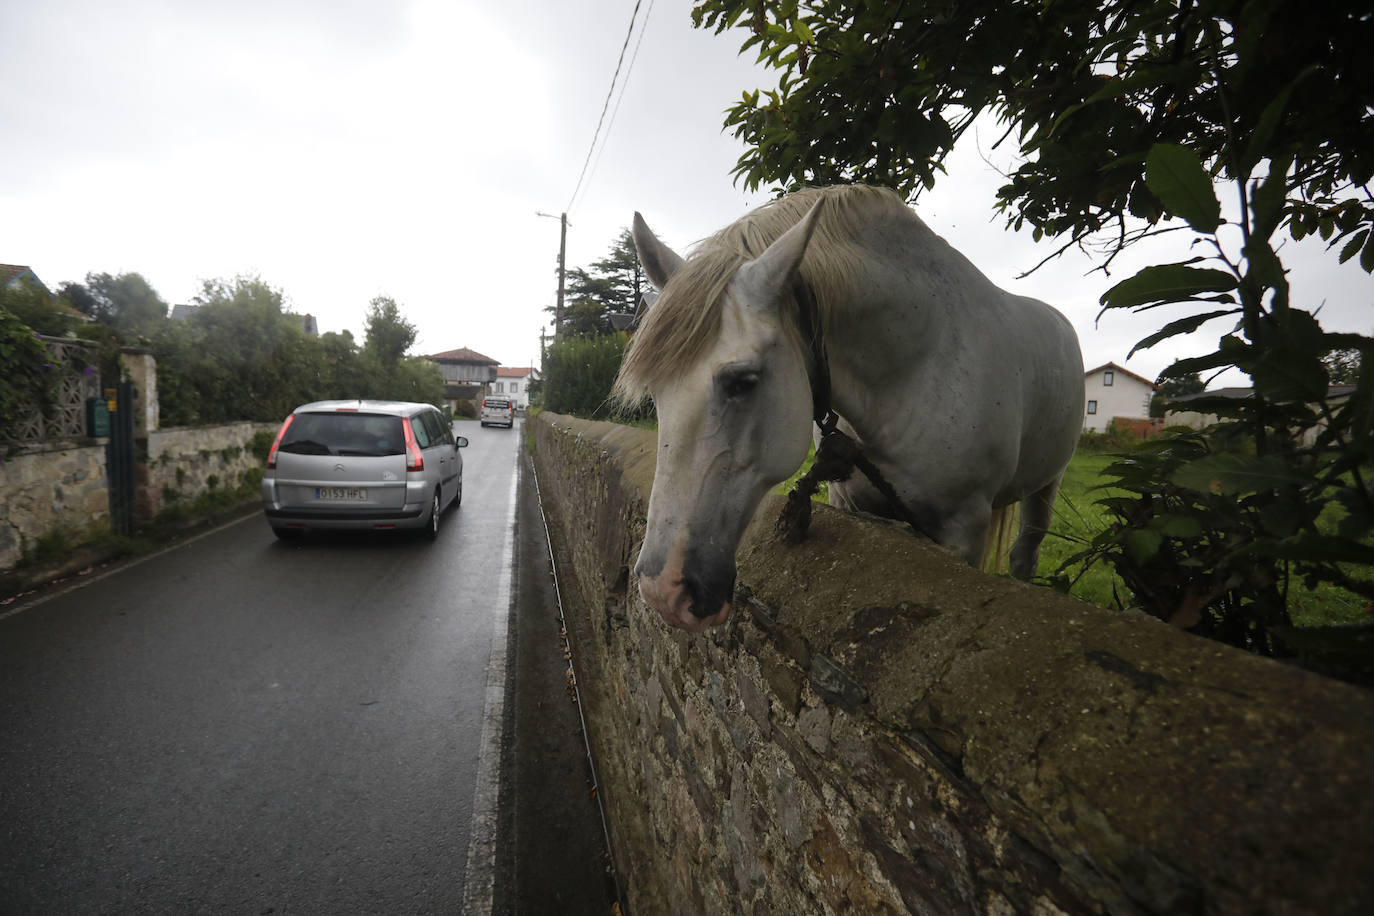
x: 880, y: 729
x: 60, y: 485
x: 49, y: 486
x: 184, y: 462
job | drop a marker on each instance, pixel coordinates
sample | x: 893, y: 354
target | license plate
x: 340, y: 493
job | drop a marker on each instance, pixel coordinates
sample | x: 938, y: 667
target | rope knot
x: 835, y: 459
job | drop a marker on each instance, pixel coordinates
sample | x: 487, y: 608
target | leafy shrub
x: 261, y: 444
x: 579, y: 373
x: 24, y: 374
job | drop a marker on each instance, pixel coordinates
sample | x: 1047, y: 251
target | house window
x: 514, y: 387
x: 1092, y: 407
x: 1107, y: 377
x: 500, y: 388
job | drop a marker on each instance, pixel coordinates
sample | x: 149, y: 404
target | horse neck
x: 877, y: 341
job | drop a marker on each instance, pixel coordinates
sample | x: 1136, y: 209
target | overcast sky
x: 342, y: 149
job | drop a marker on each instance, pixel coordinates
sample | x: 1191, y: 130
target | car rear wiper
x: 305, y: 447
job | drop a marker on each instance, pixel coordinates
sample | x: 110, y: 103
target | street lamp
x: 562, y: 265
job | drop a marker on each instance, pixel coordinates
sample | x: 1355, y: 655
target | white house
x: 514, y: 383
x: 1112, y: 391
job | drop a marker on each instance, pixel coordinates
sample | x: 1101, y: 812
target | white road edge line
x: 21, y: 606
x: 479, y: 885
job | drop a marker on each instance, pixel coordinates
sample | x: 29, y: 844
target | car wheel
x: 432, y: 529
x: 458, y: 497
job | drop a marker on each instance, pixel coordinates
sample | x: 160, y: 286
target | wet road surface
x: 252, y: 726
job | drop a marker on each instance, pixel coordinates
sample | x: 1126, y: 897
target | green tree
x: 125, y: 301
x: 612, y: 284
x: 1171, y: 387
x: 880, y: 92
x: 621, y: 274
x: 389, y: 334
x: 32, y: 304
x: 240, y: 356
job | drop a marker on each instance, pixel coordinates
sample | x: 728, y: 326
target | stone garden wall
x: 880, y: 729
x: 48, y: 486
x: 60, y: 486
x: 187, y: 461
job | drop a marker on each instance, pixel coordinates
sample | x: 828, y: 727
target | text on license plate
x: 340, y: 493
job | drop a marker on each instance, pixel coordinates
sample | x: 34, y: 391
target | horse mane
x: 686, y: 318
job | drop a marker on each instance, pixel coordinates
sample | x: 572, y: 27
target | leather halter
x: 837, y: 454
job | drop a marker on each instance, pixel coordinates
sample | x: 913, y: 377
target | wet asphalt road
x: 243, y: 725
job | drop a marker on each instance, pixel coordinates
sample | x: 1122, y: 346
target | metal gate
x: 119, y: 457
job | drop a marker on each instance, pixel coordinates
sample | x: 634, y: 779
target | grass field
x: 1077, y: 520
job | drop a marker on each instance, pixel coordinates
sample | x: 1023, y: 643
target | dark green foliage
x: 579, y: 373
x: 35, y: 307
x: 1173, y: 386
x: 880, y: 92
x: 261, y: 444
x: 612, y: 284
x: 125, y: 302
x: 241, y: 357
x: 25, y: 373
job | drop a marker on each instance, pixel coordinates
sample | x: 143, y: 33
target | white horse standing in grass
x: 965, y: 397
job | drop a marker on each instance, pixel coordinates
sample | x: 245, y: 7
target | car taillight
x: 272, y: 454
x: 414, y: 460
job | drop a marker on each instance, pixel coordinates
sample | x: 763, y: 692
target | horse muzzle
x: 689, y: 599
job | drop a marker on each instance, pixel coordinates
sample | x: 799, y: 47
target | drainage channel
x: 595, y: 790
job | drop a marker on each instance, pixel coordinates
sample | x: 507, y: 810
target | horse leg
x: 1037, y: 510
x: 966, y: 530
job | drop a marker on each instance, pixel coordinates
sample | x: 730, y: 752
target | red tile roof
x: 513, y: 372
x: 464, y: 355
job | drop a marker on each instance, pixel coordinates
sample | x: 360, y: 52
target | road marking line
x: 479, y: 885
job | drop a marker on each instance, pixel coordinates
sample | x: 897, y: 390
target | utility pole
x: 562, y: 265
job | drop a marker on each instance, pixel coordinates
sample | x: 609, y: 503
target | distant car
x: 498, y: 412
x: 362, y: 465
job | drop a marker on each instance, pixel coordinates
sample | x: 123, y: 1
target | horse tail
x: 1000, y: 538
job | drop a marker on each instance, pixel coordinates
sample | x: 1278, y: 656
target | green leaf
x: 1163, y: 283
x: 1270, y: 196
x: 1353, y: 246
x: 1181, y: 326
x: 1176, y: 176
x: 1177, y: 526
x: 1143, y: 543
x: 1233, y: 474
x: 1256, y: 149
x: 1319, y: 548
x: 1367, y: 256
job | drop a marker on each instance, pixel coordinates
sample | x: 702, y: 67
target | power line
x: 644, y: 27
x: 605, y: 105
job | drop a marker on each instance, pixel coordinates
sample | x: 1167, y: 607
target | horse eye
x: 737, y: 386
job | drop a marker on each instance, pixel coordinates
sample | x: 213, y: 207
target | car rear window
x: 341, y: 434
x: 497, y: 402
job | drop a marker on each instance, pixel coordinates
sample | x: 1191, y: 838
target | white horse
x: 965, y: 397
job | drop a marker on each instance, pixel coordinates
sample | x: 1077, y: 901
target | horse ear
x: 659, y: 261
x: 772, y: 271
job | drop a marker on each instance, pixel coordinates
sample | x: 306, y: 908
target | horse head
x: 734, y: 418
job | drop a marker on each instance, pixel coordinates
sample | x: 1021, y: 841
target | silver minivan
x: 362, y: 465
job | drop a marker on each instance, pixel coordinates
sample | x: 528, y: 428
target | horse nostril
x: 707, y: 600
